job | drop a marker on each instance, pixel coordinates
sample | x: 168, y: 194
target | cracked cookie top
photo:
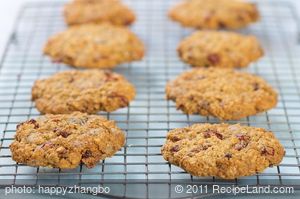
x: 222, y: 150
x: 87, y: 91
x: 222, y: 93
x: 64, y: 141
x: 219, y: 49
x: 214, y: 14
x: 95, y: 46
x: 98, y: 11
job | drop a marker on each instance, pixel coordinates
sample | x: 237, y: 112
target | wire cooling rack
x: 139, y: 170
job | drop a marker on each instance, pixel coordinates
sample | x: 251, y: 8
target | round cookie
x: 222, y: 93
x: 64, y: 141
x: 219, y: 49
x: 87, y: 91
x: 95, y: 46
x: 214, y: 14
x: 98, y: 11
x: 222, y: 150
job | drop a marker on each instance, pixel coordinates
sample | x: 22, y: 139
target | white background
x: 10, y: 8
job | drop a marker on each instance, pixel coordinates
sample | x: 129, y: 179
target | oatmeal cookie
x: 87, y: 91
x: 98, y: 11
x: 219, y: 49
x: 222, y: 93
x: 95, y: 46
x: 65, y: 141
x: 214, y: 14
x: 222, y: 150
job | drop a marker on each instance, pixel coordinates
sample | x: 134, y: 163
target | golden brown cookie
x: 98, y: 11
x: 87, y: 91
x: 222, y: 93
x: 95, y: 46
x: 64, y: 141
x: 219, y: 49
x: 222, y: 150
x: 214, y: 14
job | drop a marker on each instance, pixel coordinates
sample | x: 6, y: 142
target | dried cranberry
x: 209, y: 133
x: 19, y: 125
x: 222, y: 24
x: 228, y: 156
x: 34, y: 122
x: 213, y: 58
x: 218, y: 135
x: 175, y: 149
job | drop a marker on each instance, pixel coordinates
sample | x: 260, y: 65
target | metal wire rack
x: 138, y: 169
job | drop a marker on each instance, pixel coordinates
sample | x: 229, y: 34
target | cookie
x: 219, y: 49
x: 65, y: 141
x: 222, y: 93
x: 98, y: 11
x: 214, y: 14
x: 87, y: 91
x: 222, y: 150
x: 95, y: 46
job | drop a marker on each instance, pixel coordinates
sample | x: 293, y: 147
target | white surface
x: 8, y: 13
x: 9, y: 10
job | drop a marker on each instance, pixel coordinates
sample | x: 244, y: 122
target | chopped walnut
x: 46, y: 145
x: 175, y: 139
x: 61, y: 151
x: 64, y: 134
x: 256, y: 86
x: 242, y: 137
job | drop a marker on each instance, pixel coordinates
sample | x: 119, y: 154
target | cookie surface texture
x: 86, y: 91
x: 222, y: 150
x: 219, y: 49
x: 214, y: 14
x: 222, y: 93
x: 65, y: 141
x: 98, y: 11
x: 95, y: 46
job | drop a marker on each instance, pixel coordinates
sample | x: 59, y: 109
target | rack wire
x: 139, y: 170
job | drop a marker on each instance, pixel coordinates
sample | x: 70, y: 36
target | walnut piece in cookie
x: 222, y: 93
x: 214, y: 14
x: 95, y: 46
x: 65, y: 141
x: 86, y: 91
x: 230, y: 151
x: 219, y: 49
x: 98, y: 11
